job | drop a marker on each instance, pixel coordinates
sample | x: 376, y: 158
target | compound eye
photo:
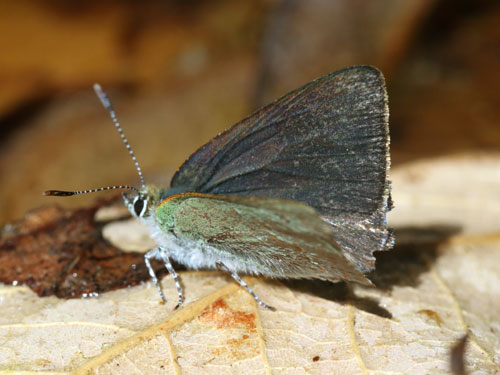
x: 139, y: 206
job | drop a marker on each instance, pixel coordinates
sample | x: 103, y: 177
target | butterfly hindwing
x: 267, y: 236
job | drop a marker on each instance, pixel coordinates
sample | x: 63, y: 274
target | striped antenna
x: 107, y: 104
x: 62, y: 193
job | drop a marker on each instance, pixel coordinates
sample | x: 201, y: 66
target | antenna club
x: 59, y: 193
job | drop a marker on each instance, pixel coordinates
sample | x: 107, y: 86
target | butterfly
x: 298, y: 189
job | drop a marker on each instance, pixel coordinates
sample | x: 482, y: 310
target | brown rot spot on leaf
x: 237, y: 348
x: 220, y: 315
x: 431, y: 314
x: 61, y: 252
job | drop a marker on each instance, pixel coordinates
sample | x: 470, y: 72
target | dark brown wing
x: 325, y: 144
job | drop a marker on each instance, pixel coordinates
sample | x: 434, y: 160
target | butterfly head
x: 141, y: 203
x: 137, y: 205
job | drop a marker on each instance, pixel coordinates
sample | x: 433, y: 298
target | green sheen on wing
x: 279, y: 238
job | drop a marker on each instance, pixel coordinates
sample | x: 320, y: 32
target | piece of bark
x: 62, y: 253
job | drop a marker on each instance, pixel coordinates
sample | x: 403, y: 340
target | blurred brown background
x: 180, y: 71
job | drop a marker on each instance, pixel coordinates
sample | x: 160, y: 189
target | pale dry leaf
x: 430, y: 304
x: 130, y: 235
x: 462, y: 191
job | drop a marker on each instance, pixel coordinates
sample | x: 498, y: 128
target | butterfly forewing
x: 325, y: 144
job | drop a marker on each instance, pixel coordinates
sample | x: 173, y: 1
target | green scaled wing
x: 273, y: 237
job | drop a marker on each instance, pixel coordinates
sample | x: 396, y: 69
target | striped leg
x: 242, y: 283
x: 171, y: 270
x: 153, y: 254
x: 158, y: 253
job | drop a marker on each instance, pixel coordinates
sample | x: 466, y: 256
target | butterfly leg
x: 171, y: 271
x: 242, y: 283
x: 158, y: 253
x: 153, y: 254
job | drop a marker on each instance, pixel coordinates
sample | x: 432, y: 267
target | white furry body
x: 193, y: 254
